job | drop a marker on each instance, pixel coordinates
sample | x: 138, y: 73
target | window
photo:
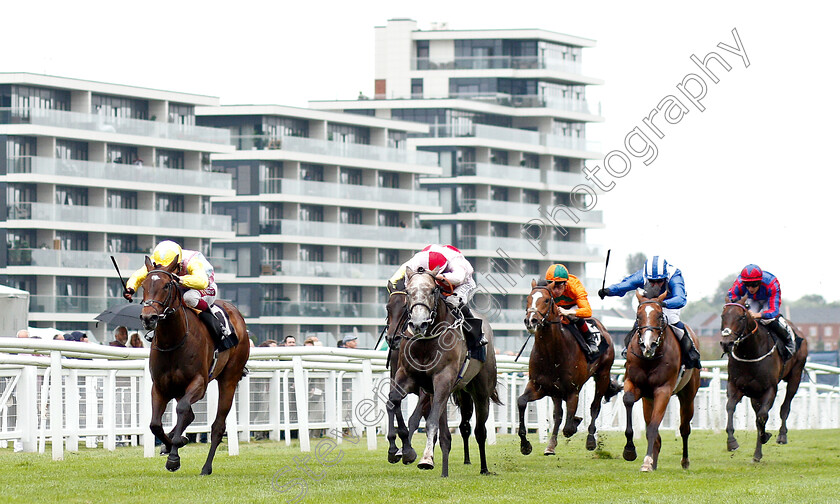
x: 71, y: 286
x: 312, y: 213
x: 170, y: 202
x: 122, y: 199
x: 562, y: 164
x: 351, y: 294
x: 531, y: 196
x: 417, y: 88
x: 170, y: 159
x: 71, y: 195
x: 118, y: 106
x: 397, y: 139
x: 312, y: 172
x: 19, y: 150
x: 351, y: 216
x: 122, y: 154
x: 499, y: 229
x: 312, y: 293
x: 498, y: 193
x: 68, y: 149
x: 271, y: 175
x: 122, y: 243
x: 812, y: 331
x: 827, y: 331
x: 530, y: 160
x: 351, y: 255
x: 498, y: 157
x: 271, y: 215
x: 389, y: 257
x: 531, y: 267
x: 181, y: 113
x: 346, y: 133
x: 389, y: 218
x: 72, y: 240
x: 352, y: 176
x: 389, y: 179
x: 275, y: 127
x: 313, y: 253
x: 25, y: 97
x: 272, y: 256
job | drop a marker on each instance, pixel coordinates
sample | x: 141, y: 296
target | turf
x: 803, y: 471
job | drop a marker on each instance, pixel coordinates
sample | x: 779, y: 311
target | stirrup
x: 483, y: 341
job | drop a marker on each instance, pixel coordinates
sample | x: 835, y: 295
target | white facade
x: 90, y: 170
x: 507, y: 113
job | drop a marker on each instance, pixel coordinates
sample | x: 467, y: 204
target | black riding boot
x: 588, y: 336
x: 627, y: 339
x: 691, y: 357
x: 781, y: 329
x: 472, y: 327
x: 212, y: 324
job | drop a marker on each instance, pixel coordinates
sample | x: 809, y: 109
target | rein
x: 660, y: 329
x: 168, y: 310
x: 433, y: 311
x: 742, y: 335
x: 544, y: 317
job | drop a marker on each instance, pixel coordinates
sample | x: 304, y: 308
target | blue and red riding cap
x: 751, y: 273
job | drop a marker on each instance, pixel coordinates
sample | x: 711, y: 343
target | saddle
x: 220, y: 327
x: 581, y: 341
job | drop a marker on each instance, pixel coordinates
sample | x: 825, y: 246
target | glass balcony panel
x: 322, y: 309
x: 352, y: 192
x: 354, y: 231
x: 499, y: 171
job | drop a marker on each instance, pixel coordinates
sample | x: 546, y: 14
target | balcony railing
x: 110, y: 124
x: 49, y: 258
x: 321, y: 309
x: 349, y: 231
x: 70, y: 304
x: 527, y: 101
x: 497, y: 62
x: 505, y: 172
x: 512, y: 135
x: 114, y: 171
x: 349, y: 191
x: 329, y: 269
x: 116, y: 216
x: 338, y: 149
x: 499, y: 207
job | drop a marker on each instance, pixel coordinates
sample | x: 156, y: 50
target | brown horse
x: 431, y: 359
x: 558, y: 369
x: 395, y: 324
x: 653, y: 373
x: 755, y: 369
x: 180, y: 359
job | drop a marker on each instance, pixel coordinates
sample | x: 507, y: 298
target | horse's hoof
x: 590, y: 443
x: 525, y: 447
x: 766, y: 437
x: 206, y: 471
x: 685, y: 463
x: 781, y: 439
x: 409, y: 456
x: 548, y: 451
x: 757, y: 458
x: 732, y: 445
x: 467, y: 462
x: 394, y: 457
x: 173, y: 463
x: 426, y: 464
x: 648, y: 465
x: 630, y: 454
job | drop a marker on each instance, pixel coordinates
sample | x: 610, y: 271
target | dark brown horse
x: 558, y: 369
x: 431, y: 359
x: 395, y: 325
x: 755, y: 369
x: 180, y: 360
x: 653, y: 374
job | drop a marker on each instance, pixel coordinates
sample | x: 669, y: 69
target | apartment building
x: 327, y: 205
x: 91, y: 170
x: 507, y: 115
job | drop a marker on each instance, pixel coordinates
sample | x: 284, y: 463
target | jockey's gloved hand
x: 602, y: 293
x: 128, y: 293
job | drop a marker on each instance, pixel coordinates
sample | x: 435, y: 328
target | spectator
x: 340, y: 343
x: 59, y: 337
x: 290, y: 341
x: 251, y: 342
x: 138, y: 162
x: 135, y: 341
x: 268, y: 343
x: 350, y: 341
x: 120, y: 337
x: 77, y: 336
x: 312, y: 341
x: 23, y: 333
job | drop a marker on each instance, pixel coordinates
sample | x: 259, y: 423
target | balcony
x: 564, y: 178
x: 499, y: 62
x: 117, y: 216
x: 527, y: 101
x: 508, y: 208
x: 322, y: 309
x: 503, y: 172
x: 328, y: 269
x: 512, y: 135
x: 117, y: 172
x: 49, y: 258
x: 336, y: 149
x: 351, y: 192
x: 71, y: 304
x: 334, y: 230
x: 109, y: 124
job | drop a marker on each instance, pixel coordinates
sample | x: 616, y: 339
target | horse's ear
x: 639, y: 295
x: 409, y: 271
x: 533, y: 282
x: 435, y: 271
x: 175, y: 264
x: 662, y: 297
x: 743, y: 300
x: 148, y: 264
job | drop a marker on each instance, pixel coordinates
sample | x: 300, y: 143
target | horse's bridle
x: 435, y: 295
x: 171, y: 287
x: 544, y: 317
x: 742, y: 333
x: 659, y: 329
x: 401, y: 322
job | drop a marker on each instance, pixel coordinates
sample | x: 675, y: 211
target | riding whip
x: 523, y: 348
x: 376, y: 346
x: 119, y: 275
x: 604, y: 282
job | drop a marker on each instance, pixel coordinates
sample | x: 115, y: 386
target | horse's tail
x: 613, y: 389
x: 494, y: 396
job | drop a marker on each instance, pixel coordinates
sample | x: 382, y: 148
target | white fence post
x: 302, y: 403
x: 91, y: 409
x: 56, y: 410
x: 244, y: 410
x: 109, y: 410
x: 367, y: 394
x: 146, y: 412
x: 28, y: 408
x: 72, y: 399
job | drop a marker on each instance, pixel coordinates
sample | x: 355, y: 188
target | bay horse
x: 653, y: 374
x: 431, y: 358
x: 395, y: 324
x: 180, y: 358
x: 755, y: 370
x: 558, y: 369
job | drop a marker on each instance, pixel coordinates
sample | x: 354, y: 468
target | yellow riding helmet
x: 166, y: 252
x: 557, y: 273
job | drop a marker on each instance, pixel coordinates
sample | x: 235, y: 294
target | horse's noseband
x: 432, y: 309
x: 171, y: 287
x: 660, y: 329
x: 742, y: 333
x: 544, y: 317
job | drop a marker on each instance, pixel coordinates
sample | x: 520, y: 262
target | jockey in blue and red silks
x: 765, y: 300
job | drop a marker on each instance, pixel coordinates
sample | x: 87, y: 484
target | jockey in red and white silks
x: 454, y: 267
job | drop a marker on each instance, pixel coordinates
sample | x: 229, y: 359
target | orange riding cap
x: 575, y: 294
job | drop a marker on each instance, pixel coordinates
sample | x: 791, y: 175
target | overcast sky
x: 750, y: 179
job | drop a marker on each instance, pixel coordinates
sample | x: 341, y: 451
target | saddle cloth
x: 224, y: 321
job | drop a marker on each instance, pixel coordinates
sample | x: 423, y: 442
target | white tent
x: 14, y: 305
